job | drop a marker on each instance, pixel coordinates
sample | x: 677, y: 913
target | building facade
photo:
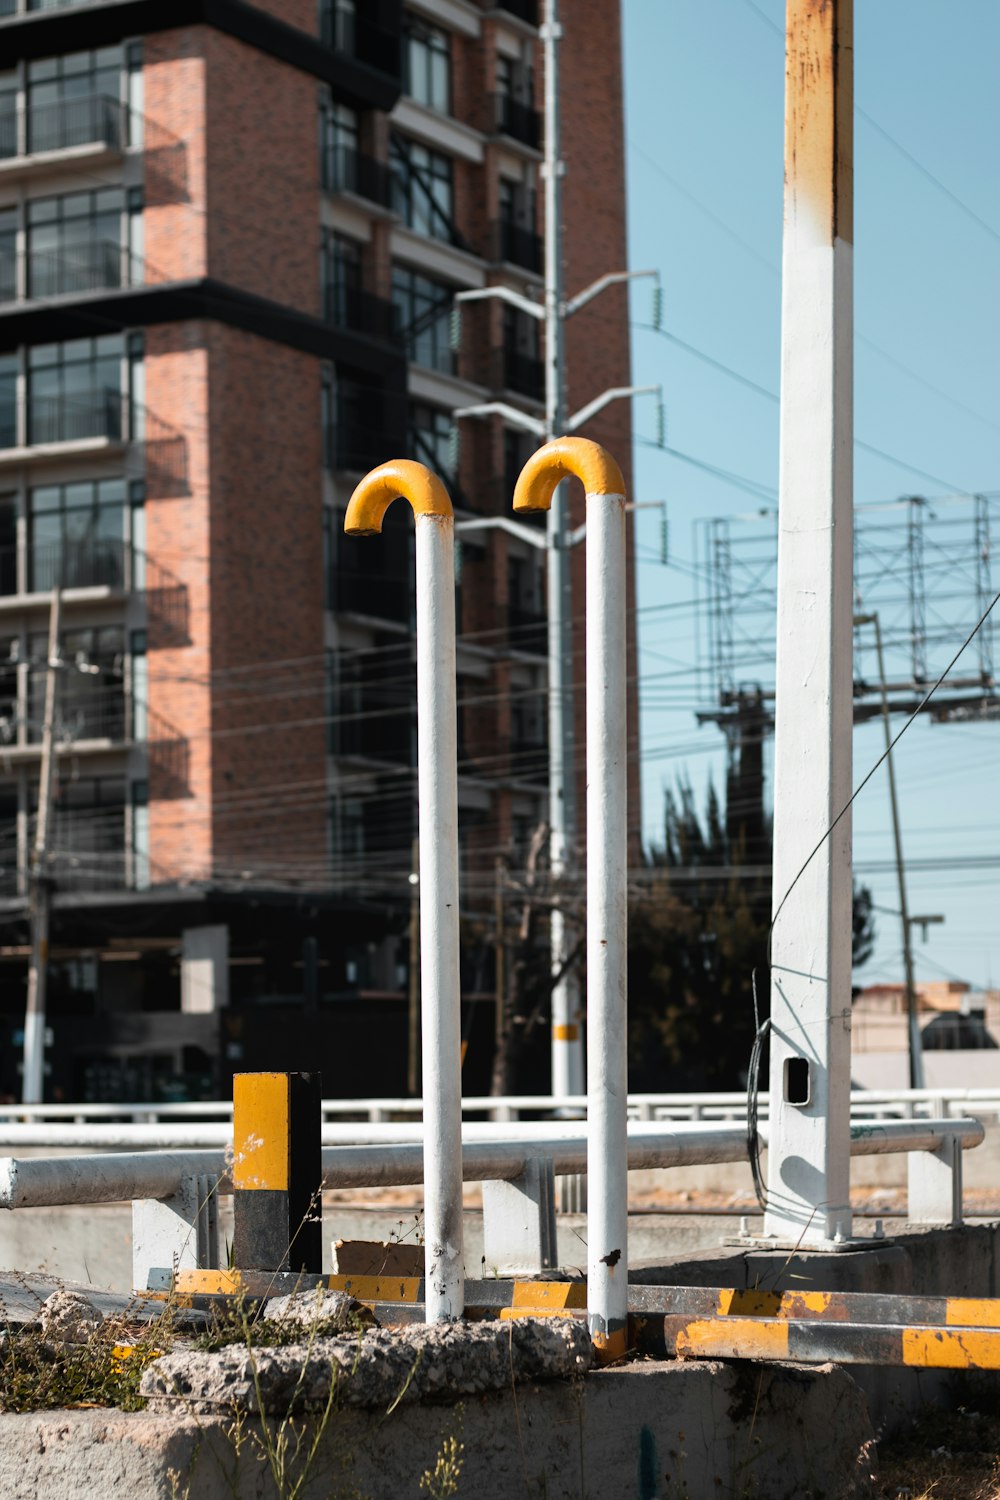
x: 230, y: 241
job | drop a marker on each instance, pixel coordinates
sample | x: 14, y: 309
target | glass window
x: 88, y: 831
x: 428, y: 65
x: 8, y: 254
x: 422, y: 310
x: 76, y: 535
x: 340, y: 134
x: 432, y: 437
x: 76, y: 100
x: 76, y: 244
x: 423, y: 188
x: 8, y: 400
x: 91, y: 689
x: 9, y: 143
x: 341, y: 280
x: 75, y: 390
x: 337, y: 24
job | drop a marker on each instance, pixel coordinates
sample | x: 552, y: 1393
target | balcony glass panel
x: 76, y: 535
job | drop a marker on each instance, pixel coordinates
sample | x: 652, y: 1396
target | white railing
x: 865, y: 1104
x: 174, y: 1194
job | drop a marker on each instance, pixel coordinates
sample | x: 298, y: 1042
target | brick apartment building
x: 230, y: 237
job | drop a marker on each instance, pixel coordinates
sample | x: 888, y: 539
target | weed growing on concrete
x: 104, y: 1368
x: 442, y: 1481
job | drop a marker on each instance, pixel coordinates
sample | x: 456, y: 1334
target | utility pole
x: 916, y: 1054
x: 567, y: 1040
x: 33, y: 1079
x: 568, y: 1070
x: 808, y: 1175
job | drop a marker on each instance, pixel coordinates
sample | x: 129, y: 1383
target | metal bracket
x: 519, y: 1222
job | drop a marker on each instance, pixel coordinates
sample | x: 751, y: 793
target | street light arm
x: 504, y: 523
x: 504, y: 294
x: 509, y: 413
x: 611, y: 278
x: 617, y: 393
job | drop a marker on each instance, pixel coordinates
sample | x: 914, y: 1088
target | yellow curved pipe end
x: 559, y: 460
x: 401, y: 477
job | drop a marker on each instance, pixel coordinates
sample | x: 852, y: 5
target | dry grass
x: 943, y: 1454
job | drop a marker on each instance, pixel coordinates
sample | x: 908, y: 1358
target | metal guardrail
x: 174, y: 1193
x: 865, y: 1104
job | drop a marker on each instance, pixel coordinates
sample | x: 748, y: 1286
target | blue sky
x: 704, y: 119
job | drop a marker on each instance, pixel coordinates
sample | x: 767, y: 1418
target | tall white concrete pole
x: 808, y: 1177
x: 437, y: 780
x: 567, y: 1039
x: 607, y: 919
x: 33, y: 1077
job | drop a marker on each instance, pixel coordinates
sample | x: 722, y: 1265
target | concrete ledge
x: 653, y: 1431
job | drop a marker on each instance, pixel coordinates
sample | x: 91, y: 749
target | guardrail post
x: 178, y: 1233
x: 934, y: 1183
x: 277, y: 1172
x: 519, y: 1222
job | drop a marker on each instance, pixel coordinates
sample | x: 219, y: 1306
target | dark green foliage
x: 697, y: 931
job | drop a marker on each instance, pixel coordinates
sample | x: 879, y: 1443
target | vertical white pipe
x: 437, y: 782
x: 808, y: 1160
x: 607, y: 1072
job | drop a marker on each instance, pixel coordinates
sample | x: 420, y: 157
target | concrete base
x: 652, y: 1431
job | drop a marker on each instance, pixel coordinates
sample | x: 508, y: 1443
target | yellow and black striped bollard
x: 277, y: 1172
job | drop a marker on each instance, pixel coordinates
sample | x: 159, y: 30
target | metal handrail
x: 724, y: 1105
x: 33, y: 1182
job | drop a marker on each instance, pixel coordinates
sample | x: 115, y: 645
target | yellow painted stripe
x: 610, y: 1346
x: 549, y: 1294
x: 260, y: 1132
x: 750, y: 1341
x: 565, y: 1033
x: 378, y: 1288
x: 975, y: 1312
x: 211, y: 1282
x: 952, y: 1348
x: 733, y: 1303
x: 512, y: 1314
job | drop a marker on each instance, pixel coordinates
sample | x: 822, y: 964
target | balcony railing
x: 90, y: 266
x: 360, y: 311
x: 348, y: 446
x: 516, y: 244
x: 95, y: 120
x: 348, y: 171
x: 510, y: 370
x: 361, y: 39
x: 84, y: 562
x: 89, y: 416
x: 73, y: 419
x: 520, y: 121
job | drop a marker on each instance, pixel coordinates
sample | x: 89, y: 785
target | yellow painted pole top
x: 561, y: 459
x: 401, y: 477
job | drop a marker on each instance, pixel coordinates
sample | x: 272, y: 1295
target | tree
x: 698, y: 933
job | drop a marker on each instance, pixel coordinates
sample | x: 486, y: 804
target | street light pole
x: 567, y: 1042
x: 33, y: 1079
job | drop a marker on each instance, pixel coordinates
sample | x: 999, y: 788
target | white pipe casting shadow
x: 607, y: 1066
x: 437, y: 794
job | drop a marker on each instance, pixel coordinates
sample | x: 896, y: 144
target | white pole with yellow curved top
x: 437, y: 792
x: 607, y: 1070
